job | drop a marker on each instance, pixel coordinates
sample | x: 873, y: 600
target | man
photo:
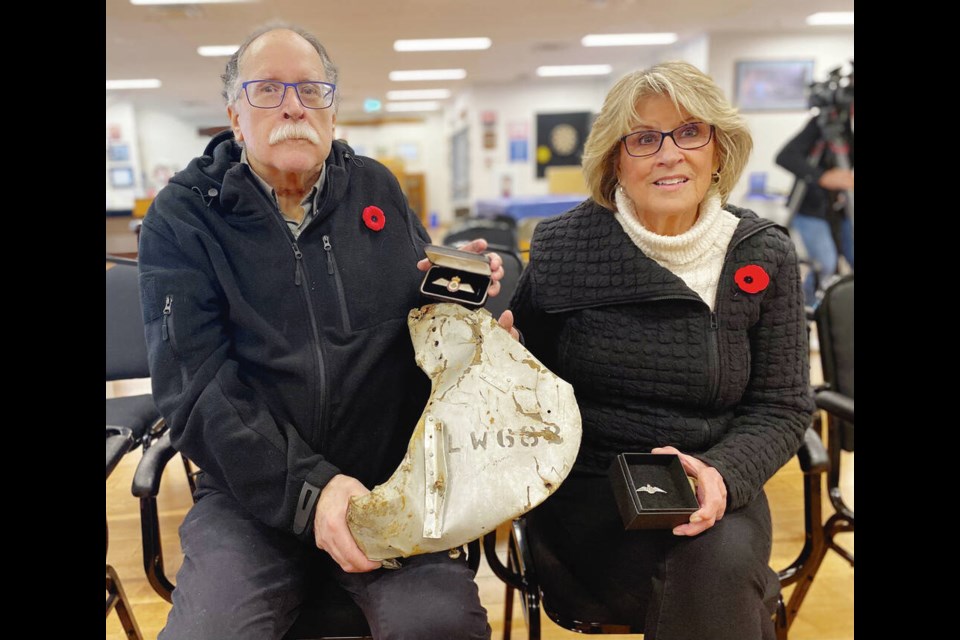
x: 277, y: 271
x: 820, y: 217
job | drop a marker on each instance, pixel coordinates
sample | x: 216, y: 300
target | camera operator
x: 821, y: 158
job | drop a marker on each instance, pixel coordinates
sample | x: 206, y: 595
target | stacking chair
x: 834, y: 318
x: 329, y: 611
x: 512, y: 268
x: 496, y: 232
x: 126, y: 352
x: 119, y: 441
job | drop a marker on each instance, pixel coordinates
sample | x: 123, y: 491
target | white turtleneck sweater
x: 696, y: 255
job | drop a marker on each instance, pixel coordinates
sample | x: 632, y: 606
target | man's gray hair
x: 231, y: 75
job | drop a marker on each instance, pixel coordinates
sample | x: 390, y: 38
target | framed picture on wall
x: 773, y: 85
x: 121, y: 177
x: 118, y: 153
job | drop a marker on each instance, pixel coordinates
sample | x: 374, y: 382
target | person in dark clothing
x: 821, y: 218
x: 679, y: 321
x: 277, y: 271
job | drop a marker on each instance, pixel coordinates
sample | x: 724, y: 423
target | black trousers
x: 241, y: 579
x: 716, y: 585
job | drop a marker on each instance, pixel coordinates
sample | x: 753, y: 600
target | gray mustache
x: 294, y: 131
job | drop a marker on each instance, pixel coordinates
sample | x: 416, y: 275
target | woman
x: 679, y: 321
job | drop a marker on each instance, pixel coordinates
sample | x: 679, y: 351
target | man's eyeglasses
x: 269, y: 94
x: 692, y: 135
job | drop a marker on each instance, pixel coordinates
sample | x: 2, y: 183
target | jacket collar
x: 227, y: 185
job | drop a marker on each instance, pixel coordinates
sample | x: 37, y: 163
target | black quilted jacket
x: 652, y: 365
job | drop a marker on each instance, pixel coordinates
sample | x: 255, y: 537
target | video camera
x: 836, y: 91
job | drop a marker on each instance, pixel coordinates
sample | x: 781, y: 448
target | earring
x: 716, y: 176
x: 620, y: 189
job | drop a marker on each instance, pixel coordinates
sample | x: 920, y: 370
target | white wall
x: 121, y: 130
x: 772, y: 130
x: 420, y: 144
x: 167, y: 145
x: 520, y: 104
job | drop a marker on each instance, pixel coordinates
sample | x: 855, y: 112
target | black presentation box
x: 652, y: 491
x: 456, y: 276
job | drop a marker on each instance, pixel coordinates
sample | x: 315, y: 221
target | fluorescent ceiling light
x: 831, y: 17
x: 627, y: 39
x: 214, y: 51
x: 147, y: 83
x: 412, y: 106
x: 575, y: 70
x: 442, y: 44
x: 428, y: 74
x: 419, y: 94
x: 188, y: 1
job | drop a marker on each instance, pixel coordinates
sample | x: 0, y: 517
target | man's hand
x: 711, y: 493
x: 330, y: 530
x: 478, y: 246
x: 837, y: 179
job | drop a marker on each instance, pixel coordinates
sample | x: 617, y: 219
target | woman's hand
x: 711, y: 493
x: 506, y: 321
x: 478, y: 246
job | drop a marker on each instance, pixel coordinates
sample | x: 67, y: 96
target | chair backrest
x: 126, y: 356
x: 834, y: 318
x: 494, y: 232
x: 512, y: 268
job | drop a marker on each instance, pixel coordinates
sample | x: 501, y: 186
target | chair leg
x: 780, y: 622
x: 805, y: 567
x: 508, y: 603
x: 191, y: 475
x: 117, y: 599
x: 152, y: 549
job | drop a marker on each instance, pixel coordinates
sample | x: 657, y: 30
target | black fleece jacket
x: 280, y: 362
x: 652, y: 366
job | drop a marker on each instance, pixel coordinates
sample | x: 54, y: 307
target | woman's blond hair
x: 688, y: 88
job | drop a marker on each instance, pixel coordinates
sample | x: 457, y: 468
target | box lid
x: 456, y: 259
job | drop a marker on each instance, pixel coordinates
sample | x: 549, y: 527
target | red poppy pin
x: 373, y: 217
x: 751, y: 278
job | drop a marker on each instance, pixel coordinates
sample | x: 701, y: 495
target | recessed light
x: 575, y: 70
x: 831, y: 17
x: 146, y: 83
x: 412, y: 106
x: 418, y: 94
x: 627, y: 39
x: 215, y: 51
x: 442, y: 44
x: 428, y: 74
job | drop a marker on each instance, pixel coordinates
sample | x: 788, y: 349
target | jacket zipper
x: 713, y: 358
x: 332, y: 270
x: 320, y: 426
x: 167, y: 310
x: 713, y: 342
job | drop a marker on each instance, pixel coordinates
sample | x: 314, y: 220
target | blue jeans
x: 821, y: 250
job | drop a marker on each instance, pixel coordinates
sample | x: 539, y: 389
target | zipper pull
x: 714, y: 323
x: 167, y: 310
x: 328, y: 248
x: 354, y: 159
x: 299, y: 256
